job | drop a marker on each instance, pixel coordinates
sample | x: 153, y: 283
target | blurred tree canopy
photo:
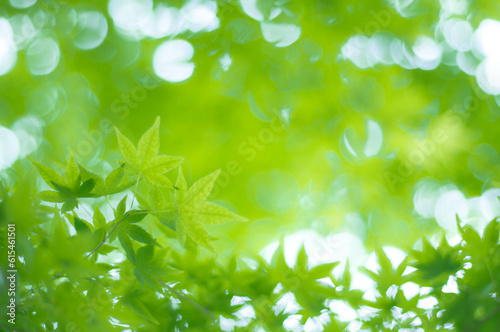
x: 343, y: 126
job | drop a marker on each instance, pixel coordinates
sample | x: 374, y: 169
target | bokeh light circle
x: 91, y: 30
x: 46, y: 102
x: 8, y: 52
x: 171, y: 60
x: 22, y: 4
x: 9, y: 148
x: 43, y: 56
x: 130, y: 14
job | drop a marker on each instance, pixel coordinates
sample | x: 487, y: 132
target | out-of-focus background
x: 343, y: 123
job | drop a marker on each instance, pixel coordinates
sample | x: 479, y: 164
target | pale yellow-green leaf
x: 58, y: 228
x: 85, y: 175
x: 167, y: 231
x: 166, y: 215
x: 181, y: 187
x: 200, y: 191
x: 99, y: 218
x: 124, y: 185
x: 114, y: 178
x: 72, y: 173
x: 100, y: 187
x: 140, y: 309
x: 156, y: 198
x: 162, y: 164
x: 143, y: 201
x: 52, y: 196
x: 120, y: 209
x: 127, y: 148
x: 199, y: 234
x: 149, y: 145
x: 180, y: 229
x: 193, y: 210
x: 158, y: 179
x: 49, y: 175
x: 213, y: 214
x: 114, y: 183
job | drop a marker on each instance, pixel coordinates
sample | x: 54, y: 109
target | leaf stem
x: 128, y: 214
x: 135, y: 190
x: 107, y: 200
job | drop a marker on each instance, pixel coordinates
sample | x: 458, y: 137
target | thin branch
x: 59, y: 274
x: 128, y: 214
x: 181, y: 296
x: 152, y: 211
x: 102, y: 242
x: 109, y: 234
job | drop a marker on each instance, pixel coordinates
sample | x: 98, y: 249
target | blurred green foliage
x: 367, y: 120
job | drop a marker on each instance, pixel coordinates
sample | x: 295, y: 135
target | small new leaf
x: 144, y: 161
x: 193, y: 211
x: 81, y: 226
x: 213, y: 214
x: 127, y: 148
x: 149, y: 144
x: 85, y: 188
x: 323, y: 270
x: 72, y: 173
x: 114, y: 179
x: 51, y: 177
x: 99, y: 218
x: 181, y: 186
x: 120, y: 209
x: 53, y: 196
x: 491, y: 234
x: 347, y: 275
x: 139, y: 234
x: 145, y: 254
x: 200, y: 190
x: 126, y: 244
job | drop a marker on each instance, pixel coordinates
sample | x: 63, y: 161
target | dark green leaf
x: 139, y: 234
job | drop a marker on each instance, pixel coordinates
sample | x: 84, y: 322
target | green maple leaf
x: 73, y: 178
x: 145, y: 160
x: 435, y: 265
x: 115, y: 182
x: 194, y: 211
x: 67, y: 189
